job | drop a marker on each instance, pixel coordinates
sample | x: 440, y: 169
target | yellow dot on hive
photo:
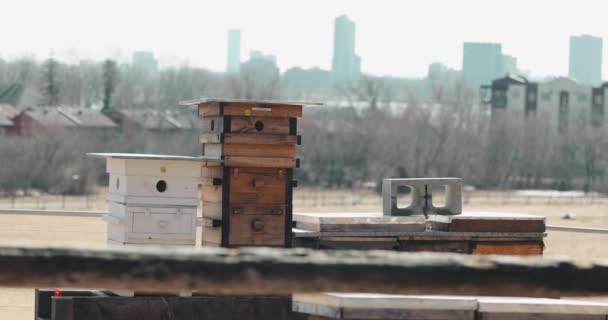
x: 247, y: 112
x: 163, y: 169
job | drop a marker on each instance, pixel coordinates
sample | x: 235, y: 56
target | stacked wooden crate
x: 247, y: 178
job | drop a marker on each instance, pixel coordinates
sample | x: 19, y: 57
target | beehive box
x: 250, y: 148
x: 152, y: 199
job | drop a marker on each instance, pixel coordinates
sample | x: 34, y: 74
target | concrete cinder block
x: 422, y: 196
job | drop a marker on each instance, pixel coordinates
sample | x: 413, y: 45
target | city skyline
x: 392, y: 39
x: 586, y: 59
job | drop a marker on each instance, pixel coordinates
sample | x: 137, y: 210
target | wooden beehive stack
x: 152, y: 199
x: 247, y: 178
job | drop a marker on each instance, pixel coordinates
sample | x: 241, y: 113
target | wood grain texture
x: 487, y: 225
x: 259, y: 162
x: 464, y: 247
x: 537, y: 316
x: 357, y: 222
x: 211, y: 193
x: 239, y: 138
x: 210, y: 124
x: 262, y: 110
x: 381, y: 306
x: 520, y: 248
x: 212, y: 210
x: 272, y: 271
x: 261, y: 150
x: 257, y: 185
x: 209, y: 109
x: 256, y: 229
x: 167, y: 307
x: 212, y: 235
x: 488, y: 222
x: 269, y: 125
x: 539, y: 306
x: 210, y: 138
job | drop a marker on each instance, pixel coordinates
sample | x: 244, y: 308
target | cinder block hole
x: 404, y: 197
x: 117, y: 183
x: 439, y: 196
x: 212, y: 125
x: 161, y: 186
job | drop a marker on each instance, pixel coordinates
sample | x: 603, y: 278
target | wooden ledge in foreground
x: 285, y: 271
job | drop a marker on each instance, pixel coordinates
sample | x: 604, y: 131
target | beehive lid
x: 144, y: 156
x: 253, y: 102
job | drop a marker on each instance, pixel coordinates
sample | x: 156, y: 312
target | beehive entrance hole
x: 161, y: 186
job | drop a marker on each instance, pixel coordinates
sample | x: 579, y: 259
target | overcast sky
x: 393, y: 37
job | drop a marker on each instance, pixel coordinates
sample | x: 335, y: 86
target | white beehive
x: 152, y: 199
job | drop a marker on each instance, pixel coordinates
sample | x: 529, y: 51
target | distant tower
x: 145, y: 61
x: 586, y: 59
x: 234, y: 51
x: 346, y: 65
x: 481, y: 62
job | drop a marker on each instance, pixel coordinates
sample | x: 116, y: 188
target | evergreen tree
x: 50, y: 89
x: 109, y: 83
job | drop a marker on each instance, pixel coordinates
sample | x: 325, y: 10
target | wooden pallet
x: 470, y: 233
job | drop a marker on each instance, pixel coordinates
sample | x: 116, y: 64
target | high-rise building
x: 481, y: 62
x: 346, y: 65
x: 144, y: 60
x: 234, y: 51
x: 586, y: 59
x: 261, y: 65
x: 508, y: 65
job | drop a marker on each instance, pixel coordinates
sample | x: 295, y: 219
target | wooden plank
x: 516, y: 305
x: 211, y: 244
x: 212, y: 235
x: 43, y: 300
x: 257, y: 230
x: 212, y: 210
x: 380, y: 306
x: 268, y: 125
x: 475, y: 237
x: 212, y: 150
x: 258, y: 209
x: 209, y: 109
x: 210, y: 138
x: 357, y: 222
x: 427, y: 235
x: 464, y: 247
x: 262, y: 110
x: 261, y: 150
x: 488, y: 222
x: 509, y: 248
x: 259, y: 162
x: 211, y: 124
x: 272, y: 271
x: 212, y: 171
x: 355, y: 245
x: 211, y: 193
x: 496, y: 226
x: 168, y: 307
x: 356, y: 313
x: 240, y: 138
x: 536, y: 316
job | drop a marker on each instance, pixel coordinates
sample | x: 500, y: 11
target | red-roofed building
x: 7, y: 114
x: 31, y: 120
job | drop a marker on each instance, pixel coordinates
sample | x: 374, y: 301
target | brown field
x: 17, y: 304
